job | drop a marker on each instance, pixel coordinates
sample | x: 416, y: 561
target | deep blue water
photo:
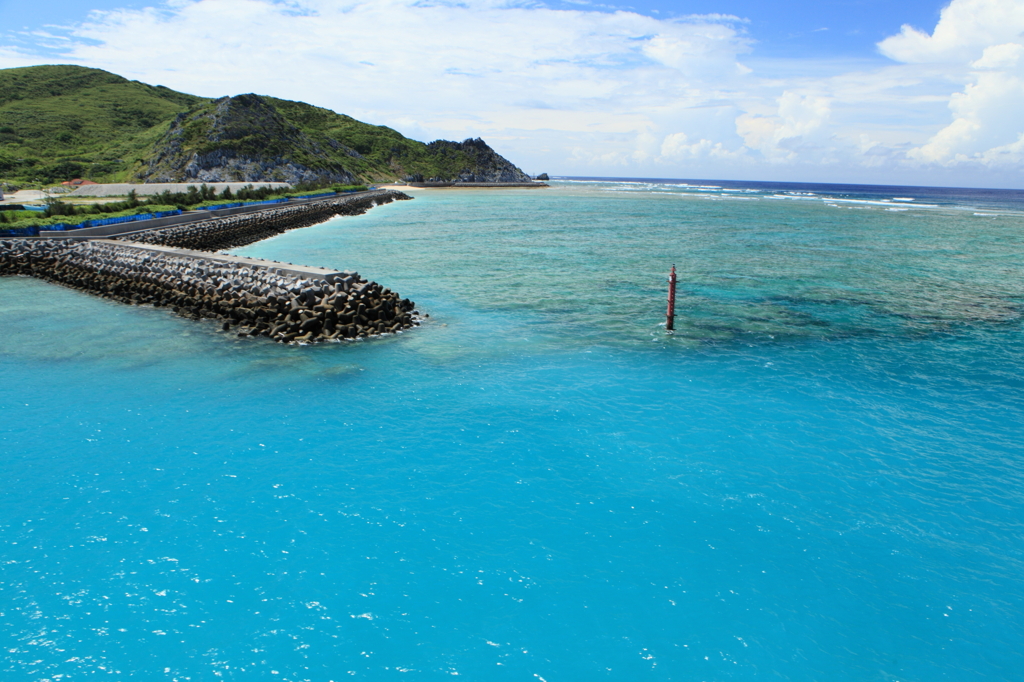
x: 818, y: 477
x: 963, y: 198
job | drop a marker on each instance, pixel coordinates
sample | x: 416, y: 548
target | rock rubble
x: 252, y: 300
x: 240, y: 230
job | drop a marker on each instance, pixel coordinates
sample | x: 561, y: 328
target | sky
x: 862, y: 91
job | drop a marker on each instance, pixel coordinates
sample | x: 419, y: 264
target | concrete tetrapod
x: 234, y: 231
x: 256, y: 300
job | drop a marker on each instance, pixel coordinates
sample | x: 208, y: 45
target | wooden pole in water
x: 670, y: 317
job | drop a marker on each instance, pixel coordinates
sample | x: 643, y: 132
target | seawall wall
x: 255, y: 298
x: 239, y: 230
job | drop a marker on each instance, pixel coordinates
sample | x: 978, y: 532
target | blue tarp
x: 34, y: 230
x: 21, y: 232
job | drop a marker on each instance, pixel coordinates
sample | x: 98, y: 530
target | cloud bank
x: 593, y: 92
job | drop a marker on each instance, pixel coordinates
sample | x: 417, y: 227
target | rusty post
x: 670, y: 317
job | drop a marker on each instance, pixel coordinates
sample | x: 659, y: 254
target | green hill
x: 59, y: 122
x: 63, y: 122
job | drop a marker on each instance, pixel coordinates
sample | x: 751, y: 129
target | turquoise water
x: 818, y: 477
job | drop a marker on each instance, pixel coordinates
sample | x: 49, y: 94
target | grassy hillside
x: 62, y: 122
x: 379, y: 151
x: 242, y: 138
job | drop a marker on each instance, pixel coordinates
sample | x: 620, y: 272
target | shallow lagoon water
x: 818, y: 477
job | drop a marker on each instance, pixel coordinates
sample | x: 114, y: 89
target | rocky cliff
x: 250, y: 138
x: 241, y: 139
x: 480, y: 163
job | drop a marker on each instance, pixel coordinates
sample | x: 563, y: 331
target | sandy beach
x: 401, y: 188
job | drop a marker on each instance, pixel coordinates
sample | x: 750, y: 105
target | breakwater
x: 252, y: 298
x: 240, y: 230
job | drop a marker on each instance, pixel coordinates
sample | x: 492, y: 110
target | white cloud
x: 479, y: 57
x: 11, y: 57
x: 965, y: 29
x: 586, y: 92
x: 985, y: 38
x: 778, y: 137
x: 987, y: 117
x: 677, y: 147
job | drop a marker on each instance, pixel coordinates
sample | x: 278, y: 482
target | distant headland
x: 59, y: 123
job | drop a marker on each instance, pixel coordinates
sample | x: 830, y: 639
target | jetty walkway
x: 176, y: 266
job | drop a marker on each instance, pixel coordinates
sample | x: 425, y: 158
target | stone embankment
x: 255, y: 300
x: 240, y: 230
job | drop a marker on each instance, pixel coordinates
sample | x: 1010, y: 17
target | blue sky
x: 805, y: 29
x: 845, y: 90
x: 791, y: 29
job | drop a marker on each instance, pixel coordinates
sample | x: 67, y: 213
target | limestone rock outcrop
x: 480, y: 164
x: 240, y: 139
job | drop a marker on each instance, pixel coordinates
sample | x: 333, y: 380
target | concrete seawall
x: 239, y: 230
x: 257, y: 298
x: 290, y: 269
x: 174, y: 267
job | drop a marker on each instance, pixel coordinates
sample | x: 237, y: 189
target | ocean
x: 817, y: 477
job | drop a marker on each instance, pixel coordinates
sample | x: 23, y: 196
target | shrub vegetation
x: 203, y: 196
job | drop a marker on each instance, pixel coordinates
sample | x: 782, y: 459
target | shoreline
x: 463, y: 185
